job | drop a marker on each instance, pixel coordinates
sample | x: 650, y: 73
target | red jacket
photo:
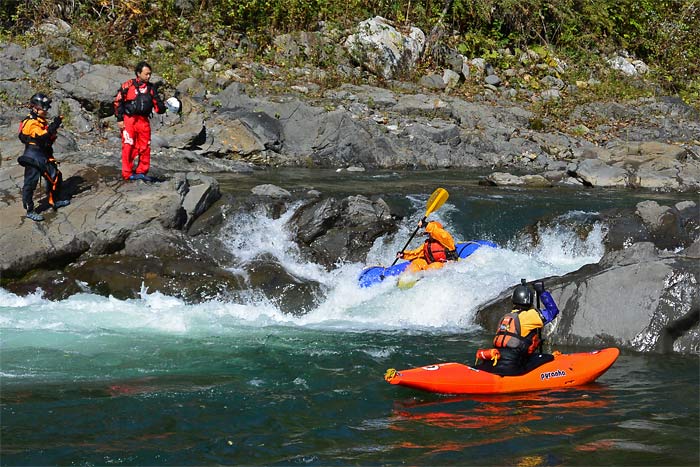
x: 136, y: 97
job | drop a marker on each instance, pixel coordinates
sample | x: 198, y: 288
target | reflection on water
x: 597, y: 424
x: 492, y: 413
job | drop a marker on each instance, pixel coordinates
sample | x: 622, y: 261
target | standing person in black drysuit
x: 38, y: 137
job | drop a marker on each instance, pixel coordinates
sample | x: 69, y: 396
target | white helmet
x: 174, y: 105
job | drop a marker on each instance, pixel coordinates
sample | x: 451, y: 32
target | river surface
x: 94, y: 380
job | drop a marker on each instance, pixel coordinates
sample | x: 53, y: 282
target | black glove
x: 539, y: 287
x: 160, y: 105
x: 53, y: 127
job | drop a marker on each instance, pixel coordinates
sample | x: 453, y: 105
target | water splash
x: 444, y: 301
x: 250, y: 236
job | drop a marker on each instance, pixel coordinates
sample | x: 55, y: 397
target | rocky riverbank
x: 116, y: 236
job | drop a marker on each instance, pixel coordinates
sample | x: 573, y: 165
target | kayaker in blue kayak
x: 518, y: 336
x: 434, y: 253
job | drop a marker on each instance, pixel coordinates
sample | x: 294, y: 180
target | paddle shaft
x: 436, y: 200
x: 409, y: 240
x: 539, y: 331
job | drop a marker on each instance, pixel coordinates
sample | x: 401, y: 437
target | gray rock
x: 652, y: 213
x: 506, y: 179
x: 93, y: 86
x: 94, y: 222
x: 644, y: 320
x: 10, y: 70
x: 597, y: 173
x: 450, y: 78
x: 330, y: 230
x: 54, y: 27
x: 493, y: 80
x: 186, y: 132
x: 478, y: 64
x: 192, y: 87
x: 373, y: 97
x: 436, y: 131
x: 552, y: 82
x: 466, y: 72
x: 455, y: 61
x: 302, y: 45
x: 76, y: 118
x: 271, y: 191
x: 202, y: 191
x: 421, y: 104
x: 432, y: 81
x: 383, y: 50
x: 622, y: 64
x: 161, y: 45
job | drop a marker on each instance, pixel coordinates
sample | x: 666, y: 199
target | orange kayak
x: 455, y: 378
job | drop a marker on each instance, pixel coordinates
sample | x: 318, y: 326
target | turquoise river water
x: 94, y: 380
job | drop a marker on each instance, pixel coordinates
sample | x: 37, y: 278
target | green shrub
x: 663, y: 33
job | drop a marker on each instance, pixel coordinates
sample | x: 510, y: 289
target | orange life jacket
x: 41, y: 138
x: 509, y: 335
x: 434, y: 251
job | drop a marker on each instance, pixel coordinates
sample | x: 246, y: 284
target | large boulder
x: 638, y: 296
x: 381, y: 48
x: 103, y: 213
x: 329, y: 230
x: 94, y: 86
x: 155, y: 258
x: 638, y: 299
x: 594, y: 172
x: 667, y: 227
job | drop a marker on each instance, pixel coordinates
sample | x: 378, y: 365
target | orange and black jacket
x: 439, y: 247
x: 38, y: 141
x: 519, y: 329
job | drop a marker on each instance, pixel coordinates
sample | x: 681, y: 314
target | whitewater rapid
x: 443, y: 302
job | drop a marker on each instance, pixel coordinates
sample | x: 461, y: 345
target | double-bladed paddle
x: 436, y: 200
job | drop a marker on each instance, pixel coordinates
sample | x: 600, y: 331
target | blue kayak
x: 375, y: 274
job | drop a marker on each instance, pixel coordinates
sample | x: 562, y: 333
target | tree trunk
x: 433, y: 47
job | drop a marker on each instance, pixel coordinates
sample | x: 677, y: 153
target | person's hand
x: 53, y: 127
x: 539, y: 287
x: 120, y: 125
x: 399, y: 254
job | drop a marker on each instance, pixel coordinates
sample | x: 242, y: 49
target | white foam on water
x: 443, y: 301
x: 250, y: 236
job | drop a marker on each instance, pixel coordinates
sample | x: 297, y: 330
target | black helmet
x: 522, y: 296
x: 41, y: 101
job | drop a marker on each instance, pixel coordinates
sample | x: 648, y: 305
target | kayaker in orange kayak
x: 434, y: 253
x: 518, y: 336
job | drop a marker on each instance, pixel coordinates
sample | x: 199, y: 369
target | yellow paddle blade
x: 405, y: 282
x: 436, y: 200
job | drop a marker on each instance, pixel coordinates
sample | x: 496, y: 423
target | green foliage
x: 663, y: 33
